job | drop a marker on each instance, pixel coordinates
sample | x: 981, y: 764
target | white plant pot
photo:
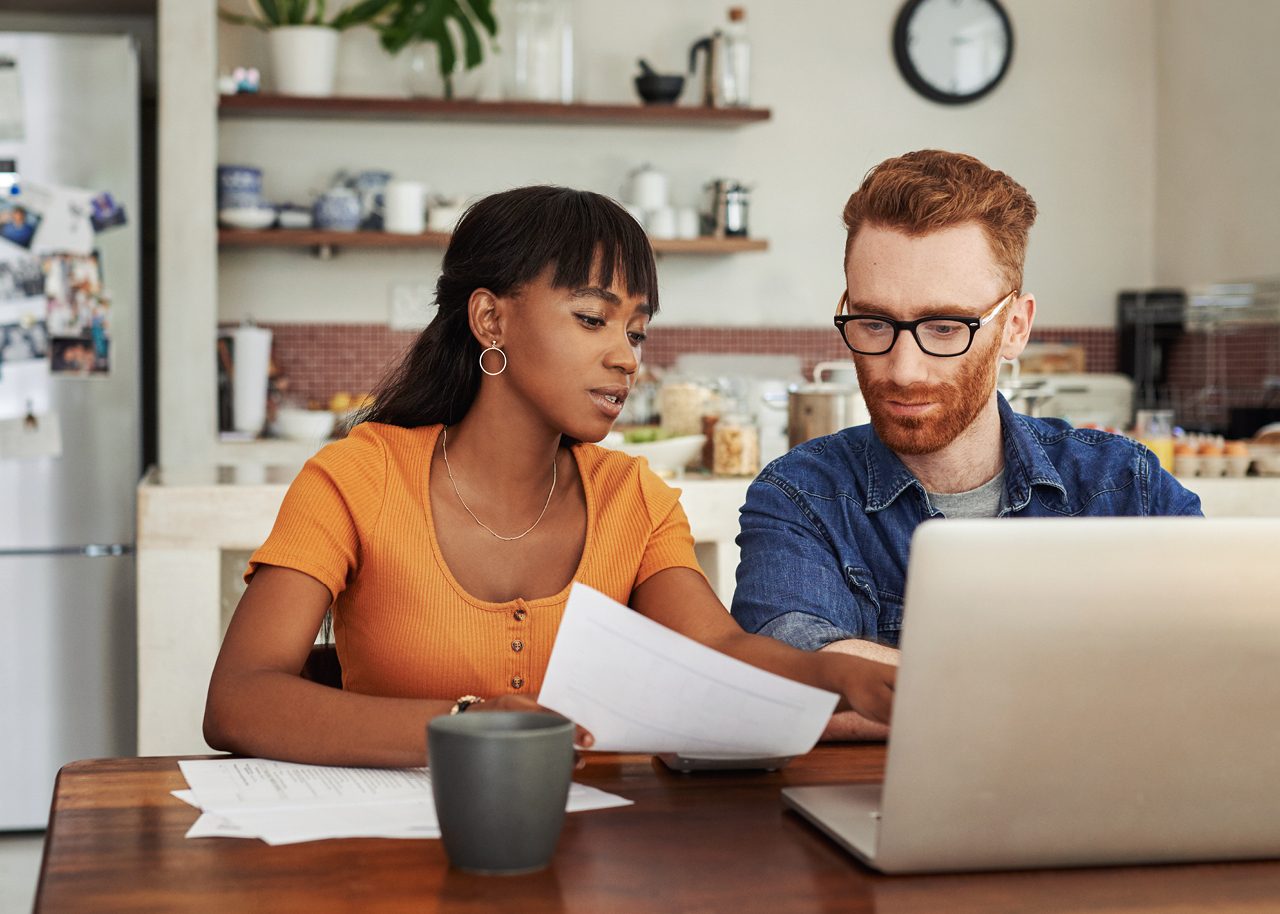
x: 303, y: 59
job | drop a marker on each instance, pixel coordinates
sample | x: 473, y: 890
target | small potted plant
x: 418, y: 24
x: 304, y: 46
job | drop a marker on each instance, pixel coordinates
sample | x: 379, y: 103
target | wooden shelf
x: 314, y: 238
x: 437, y: 109
x: 708, y: 245
x: 326, y: 242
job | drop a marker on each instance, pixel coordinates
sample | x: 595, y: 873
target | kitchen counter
x: 188, y: 518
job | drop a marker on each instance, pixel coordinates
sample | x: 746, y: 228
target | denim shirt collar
x: 1025, y: 464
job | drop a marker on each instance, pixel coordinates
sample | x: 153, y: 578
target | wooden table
x: 691, y: 843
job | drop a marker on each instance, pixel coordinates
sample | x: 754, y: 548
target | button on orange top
x: 517, y: 646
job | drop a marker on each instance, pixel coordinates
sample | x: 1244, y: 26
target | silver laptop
x: 1077, y: 692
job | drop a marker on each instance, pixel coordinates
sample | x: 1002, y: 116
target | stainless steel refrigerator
x: 69, y: 117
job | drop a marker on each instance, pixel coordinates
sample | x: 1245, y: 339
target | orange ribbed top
x: 358, y: 519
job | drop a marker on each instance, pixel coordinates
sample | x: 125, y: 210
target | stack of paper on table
x: 285, y: 803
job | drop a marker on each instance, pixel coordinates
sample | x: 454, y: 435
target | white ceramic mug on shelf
x: 405, y: 207
x: 687, y: 223
x: 648, y: 188
x: 444, y: 214
x: 661, y: 222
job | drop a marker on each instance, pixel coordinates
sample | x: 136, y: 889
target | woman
x: 446, y: 529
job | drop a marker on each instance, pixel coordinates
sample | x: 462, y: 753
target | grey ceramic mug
x: 500, y: 781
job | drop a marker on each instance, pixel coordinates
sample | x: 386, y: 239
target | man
x: 934, y: 300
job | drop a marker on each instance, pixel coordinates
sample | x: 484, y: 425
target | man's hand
x: 850, y: 726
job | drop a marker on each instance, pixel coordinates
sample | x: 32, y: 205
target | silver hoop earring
x: 493, y: 348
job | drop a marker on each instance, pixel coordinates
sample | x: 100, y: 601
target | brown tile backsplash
x: 1238, y: 365
x: 321, y: 359
x: 1208, y: 373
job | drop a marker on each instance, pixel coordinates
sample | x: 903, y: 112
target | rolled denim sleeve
x: 790, y: 570
x: 803, y: 631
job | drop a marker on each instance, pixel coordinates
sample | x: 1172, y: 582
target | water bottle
x: 737, y: 60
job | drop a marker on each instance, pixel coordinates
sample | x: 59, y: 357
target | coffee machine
x: 1150, y: 322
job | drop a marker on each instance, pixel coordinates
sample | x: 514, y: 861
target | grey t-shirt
x: 984, y: 501
x: 809, y: 632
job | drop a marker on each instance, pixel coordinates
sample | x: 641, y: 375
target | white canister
x: 687, y: 227
x: 444, y: 214
x: 661, y: 222
x: 303, y: 59
x: 405, y: 207
x: 251, y: 361
x: 648, y: 188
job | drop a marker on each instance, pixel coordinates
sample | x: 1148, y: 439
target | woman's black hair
x: 503, y: 242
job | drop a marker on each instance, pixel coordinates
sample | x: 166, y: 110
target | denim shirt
x: 826, y: 527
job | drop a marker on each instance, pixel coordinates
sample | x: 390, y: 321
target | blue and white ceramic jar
x: 239, y: 187
x: 337, y: 210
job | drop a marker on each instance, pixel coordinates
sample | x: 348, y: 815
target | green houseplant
x: 303, y: 42
x: 417, y: 23
x: 274, y: 14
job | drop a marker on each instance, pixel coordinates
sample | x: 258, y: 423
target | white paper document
x: 638, y: 686
x: 287, y: 803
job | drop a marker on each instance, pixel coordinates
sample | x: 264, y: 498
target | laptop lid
x: 1086, y: 691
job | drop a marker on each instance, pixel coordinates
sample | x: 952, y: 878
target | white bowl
x: 304, y: 424
x: 247, y: 217
x: 668, y: 455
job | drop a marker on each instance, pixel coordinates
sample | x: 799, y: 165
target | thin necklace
x: 444, y: 447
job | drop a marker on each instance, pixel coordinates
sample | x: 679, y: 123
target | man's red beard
x: 960, y: 402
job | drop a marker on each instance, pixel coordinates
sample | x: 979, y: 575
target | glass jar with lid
x: 736, y: 450
x: 681, y: 405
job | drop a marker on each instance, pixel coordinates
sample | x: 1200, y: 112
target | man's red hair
x: 928, y: 190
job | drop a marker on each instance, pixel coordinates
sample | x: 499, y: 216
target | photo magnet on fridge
x: 64, y: 218
x: 21, y: 277
x: 78, y: 315
x: 105, y: 212
x: 18, y: 222
x: 24, y: 341
x: 79, y: 356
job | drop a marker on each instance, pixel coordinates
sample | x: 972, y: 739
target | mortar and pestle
x: 657, y: 88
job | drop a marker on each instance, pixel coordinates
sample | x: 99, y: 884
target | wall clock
x: 953, y: 51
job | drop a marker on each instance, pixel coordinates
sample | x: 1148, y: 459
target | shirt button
x: 517, y: 646
x: 519, y: 615
x: 517, y: 682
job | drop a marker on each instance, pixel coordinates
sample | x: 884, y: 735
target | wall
x: 187, y: 275
x: 1074, y: 121
x: 1218, y: 129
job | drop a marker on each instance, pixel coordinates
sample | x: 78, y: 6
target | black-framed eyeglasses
x: 941, y: 335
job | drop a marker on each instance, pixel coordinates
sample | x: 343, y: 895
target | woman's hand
x: 581, y: 737
x: 867, y: 686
